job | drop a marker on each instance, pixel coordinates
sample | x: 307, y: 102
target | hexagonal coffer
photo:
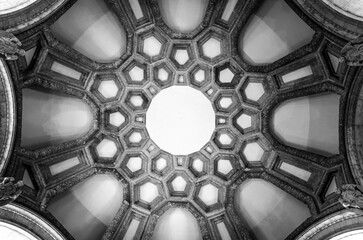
x: 226, y: 102
x: 152, y: 45
x: 148, y: 193
x: 255, y: 90
x: 136, y: 73
x: 135, y: 137
x: 212, y: 46
x: 106, y: 149
x: 200, y: 75
x: 116, y: 119
x: 134, y: 164
x: 225, y: 139
x: 209, y: 195
x: 163, y: 74
x: 161, y: 164
x: 198, y: 165
x: 225, y: 166
x: 136, y: 100
x: 106, y: 87
x: 228, y: 75
x: 246, y: 121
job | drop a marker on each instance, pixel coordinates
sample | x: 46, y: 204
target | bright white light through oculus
x: 180, y: 120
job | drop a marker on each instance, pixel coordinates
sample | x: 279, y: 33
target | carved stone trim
x: 30, y: 222
x: 7, y: 115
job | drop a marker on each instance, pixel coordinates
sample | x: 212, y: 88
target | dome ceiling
x: 140, y: 119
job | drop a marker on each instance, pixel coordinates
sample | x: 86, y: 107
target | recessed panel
x: 228, y: 10
x: 136, y: 8
x: 223, y: 231
x: 296, y: 171
x: 131, y: 231
x: 65, y: 70
x: 63, y: 165
x: 297, y: 74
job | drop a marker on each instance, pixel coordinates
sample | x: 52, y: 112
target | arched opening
x: 87, y: 208
x: 177, y: 224
x: 183, y: 15
x: 271, y: 213
x: 309, y: 123
x: 93, y: 30
x: 49, y: 118
x: 278, y: 23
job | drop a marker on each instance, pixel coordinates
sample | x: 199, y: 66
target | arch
x: 7, y: 115
x: 49, y: 118
x: 91, y: 204
x: 280, y: 26
x: 177, y: 224
x: 183, y: 15
x: 27, y: 223
x: 263, y: 206
x: 93, y: 30
x: 335, y: 224
x: 309, y: 123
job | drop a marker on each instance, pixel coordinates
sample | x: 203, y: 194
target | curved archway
x: 50, y: 119
x: 309, y: 123
x: 263, y: 206
x: 177, y: 224
x: 183, y: 15
x: 336, y: 226
x: 21, y: 223
x: 91, y: 204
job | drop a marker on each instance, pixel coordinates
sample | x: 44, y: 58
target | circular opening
x: 180, y: 120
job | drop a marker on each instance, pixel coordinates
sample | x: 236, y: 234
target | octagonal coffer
x: 163, y: 75
x: 209, y: 195
x: 136, y: 73
x: 148, y: 193
x: 179, y: 184
x: 134, y: 164
x: 228, y: 75
x: 107, y: 87
x: 182, y: 55
x: 136, y: 100
x: 213, y: 47
x: 116, y: 119
x: 136, y: 137
x: 200, y: 75
x: 152, y: 45
x: 106, y: 149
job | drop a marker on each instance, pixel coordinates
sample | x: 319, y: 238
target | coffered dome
x: 181, y: 119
